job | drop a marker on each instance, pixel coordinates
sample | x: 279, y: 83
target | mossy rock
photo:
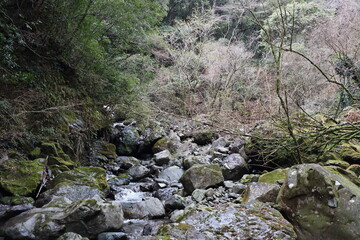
x: 178, y: 231
x: 164, y: 144
x: 53, y: 149
x: 21, y: 176
x: 350, y: 154
x: 337, y: 163
x: 108, y: 150
x: 94, y: 177
x: 274, y: 176
x: 35, y: 153
x: 60, y: 161
x: 16, y: 200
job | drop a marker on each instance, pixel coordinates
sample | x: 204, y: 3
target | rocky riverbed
x: 173, y: 182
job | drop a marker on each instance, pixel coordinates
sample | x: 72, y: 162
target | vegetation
x: 68, y: 68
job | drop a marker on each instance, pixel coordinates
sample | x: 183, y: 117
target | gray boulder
x: 73, y: 193
x: 162, y: 157
x: 87, y: 217
x: 149, y: 208
x: 201, y: 176
x: 321, y: 202
x: 138, y: 172
x: 263, y: 192
x: 112, y: 236
x: 127, y: 140
x: 234, y: 167
x: 71, y: 236
x: 171, y: 174
x: 253, y: 220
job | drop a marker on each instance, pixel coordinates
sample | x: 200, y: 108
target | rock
x: 71, y: 236
x: 175, y: 202
x: 126, y: 162
x: 149, y: 208
x: 12, y: 206
x: 201, y: 176
x: 162, y: 157
x: 239, y: 188
x: 198, y: 195
x: 165, y: 144
x: 141, y: 229
x: 71, y: 192
x: 179, y: 231
x: 127, y: 141
x: 151, y: 135
x: 193, y: 160
x: 247, y: 178
x: 234, y: 167
x: 20, y: 176
x: 87, y: 217
x: 138, y: 172
x: 202, y: 137
x: 237, y: 146
x: 165, y: 193
x: 116, y: 183
x: 219, y: 143
x: 93, y: 177
x: 171, y: 174
x: 274, y: 176
x: 112, y: 236
x: 103, y: 154
x: 321, y: 202
x: 263, y: 192
x: 337, y: 163
x: 253, y: 220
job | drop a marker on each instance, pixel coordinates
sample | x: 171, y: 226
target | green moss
x: 350, y: 154
x: 108, y: 149
x: 60, y: 161
x: 88, y: 176
x: 164, y: 144
x: 337, y: 163
x: 355, y: 168
x: 274, y: 176
x: 21, y: 177
x: 16, y: 200
x: 36, y: 152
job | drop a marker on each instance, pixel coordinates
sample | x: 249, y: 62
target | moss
x: 35, y: 153
x: 164, y: 144
x: 337, y: 163
x: 355, y: 168
x: 60, y: 161
x: 108, y: 150
x: 350, y: 154
x: 88, y: 176
x: 274, y: 176
x: 21, y: 177
x: 16, y: 200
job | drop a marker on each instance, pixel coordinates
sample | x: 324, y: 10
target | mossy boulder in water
x: 321, y: 202
x: 21, y: 176
x: 94, y: 177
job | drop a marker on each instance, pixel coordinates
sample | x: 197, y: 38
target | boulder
x: 321, y: 202
x: 21, y: 176
x: 148, y: 208
x: 71, y: 192
x: 253, y: 220
x: 162, y: 157
x: 12, y: 206
x: 263, y: 192
x: 201, y: 176
x: 127, y: 140
x: 275, y: 176
x: 93, y: 177
x: 87, y: 217
x: 138, y: 172
x: 71, y: 236
x: 171, y: 174
x: 165, y: 144
x: 112, y: 236
x: 234, y: 167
